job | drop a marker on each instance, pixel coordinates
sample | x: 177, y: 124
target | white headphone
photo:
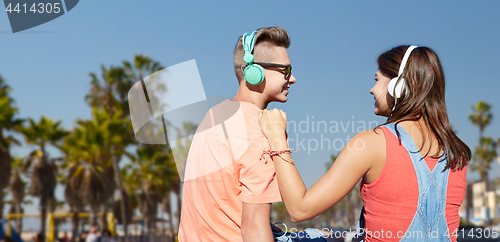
x: 396, y: 88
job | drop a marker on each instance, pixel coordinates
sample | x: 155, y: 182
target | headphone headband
x: 405, y: 59
x: 397, y: 84
x: 248, y: 44
x: 253, y: 73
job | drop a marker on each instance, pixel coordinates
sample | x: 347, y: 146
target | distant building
x: 481, y: 199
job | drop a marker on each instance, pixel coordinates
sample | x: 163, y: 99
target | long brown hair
x: 424, y: 98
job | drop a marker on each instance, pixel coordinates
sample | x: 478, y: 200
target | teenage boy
x: 229, y: 184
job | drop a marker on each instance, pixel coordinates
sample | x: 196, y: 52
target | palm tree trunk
x: 179, y: 203
x: 168, y: 209
x: 147, y: 224
x: 19, y: 220
x: 484, y: 177
x: 5, y: 170
x: 488, y: 220
x: 82, y: 226
x: 104, y: 220
x: 75, y: 226
x: 170, y: 221
x: 1, y: 202
x: 116, y: 169
x: 43, y: 215
x: 93, y: 215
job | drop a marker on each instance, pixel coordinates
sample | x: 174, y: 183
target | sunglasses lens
x: 288, y: 72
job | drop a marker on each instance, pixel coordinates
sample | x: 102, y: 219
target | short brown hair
x: 424, y: 98
x: 265, y: 40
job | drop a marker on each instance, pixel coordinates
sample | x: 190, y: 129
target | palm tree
x: 167, y: 208
x: 104, y: 93
x: 181, y: 150
x: 88, y: 159
x: 149, y: 169
x: 8, y: 123
x: 130, y: 201
x: 498, y: 153
x: 43, y: 170
x: 485, y: 152
x: 481, y: 116
x: 111, y: 93
x: 73, y: 197
x: 112, y: 90
x: 142, y: 66
x: 17, y: 189
x: 170, y: 172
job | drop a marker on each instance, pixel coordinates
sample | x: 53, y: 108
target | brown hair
x: 265, y: 40
x: 424, y: 98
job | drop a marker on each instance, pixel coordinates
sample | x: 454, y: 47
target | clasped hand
x: 273, y: 125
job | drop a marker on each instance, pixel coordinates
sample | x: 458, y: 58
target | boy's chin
x: 282, y: 99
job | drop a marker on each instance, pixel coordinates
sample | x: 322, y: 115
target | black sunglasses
x: 288, y: 68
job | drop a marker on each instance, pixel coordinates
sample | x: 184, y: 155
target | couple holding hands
x: 413, y: 167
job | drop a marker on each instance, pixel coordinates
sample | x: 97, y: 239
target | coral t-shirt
x: 391, y: 200
x: 225, y: 168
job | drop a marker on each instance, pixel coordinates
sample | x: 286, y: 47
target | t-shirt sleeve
x: 257, y: 176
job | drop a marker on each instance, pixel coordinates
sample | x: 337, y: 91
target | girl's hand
x: 273, y: 125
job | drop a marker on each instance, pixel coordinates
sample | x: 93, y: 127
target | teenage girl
x: 413, y: 167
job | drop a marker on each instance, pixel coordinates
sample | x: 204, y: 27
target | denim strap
x: 430, y: 217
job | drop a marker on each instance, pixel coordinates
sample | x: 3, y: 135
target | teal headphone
x: 253, y: 73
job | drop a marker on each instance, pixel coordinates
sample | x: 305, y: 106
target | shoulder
x: 360, y: 155
x: 369, y: 138
x: 366, y: 146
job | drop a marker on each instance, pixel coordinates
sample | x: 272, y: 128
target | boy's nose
x: 292, y: 79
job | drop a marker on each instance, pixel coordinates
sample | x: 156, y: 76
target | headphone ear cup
x: 396, y: 88
x: 390, y: 86
x: 254, y: 74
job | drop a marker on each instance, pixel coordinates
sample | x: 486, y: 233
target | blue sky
x: 333, y: 52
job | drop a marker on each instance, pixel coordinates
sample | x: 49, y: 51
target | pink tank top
x: 391, y: 200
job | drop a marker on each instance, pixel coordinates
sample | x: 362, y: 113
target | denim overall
x: 429, y: 222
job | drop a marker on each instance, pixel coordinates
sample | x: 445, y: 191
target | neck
x: 254, y: 96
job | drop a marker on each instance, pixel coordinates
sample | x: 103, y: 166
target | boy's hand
x: 273, y: 125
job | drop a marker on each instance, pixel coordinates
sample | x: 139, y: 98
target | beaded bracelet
x: 272, y: 153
